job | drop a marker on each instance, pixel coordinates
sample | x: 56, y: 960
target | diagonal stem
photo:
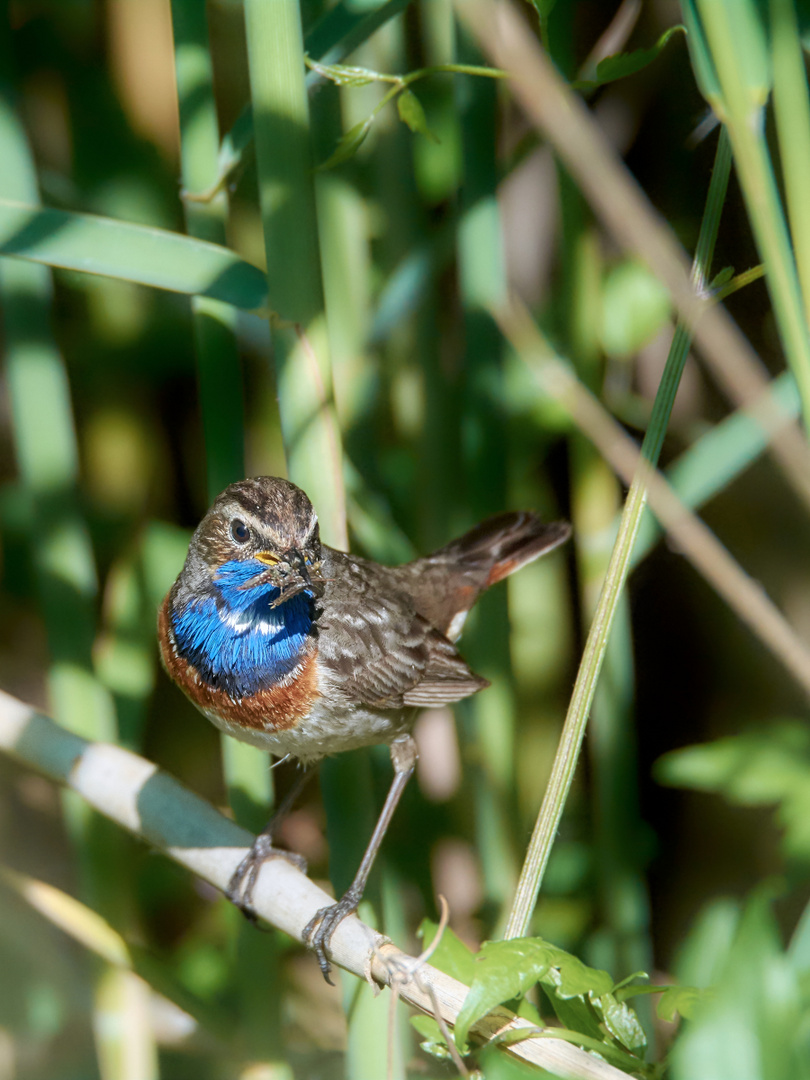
x: 573, y: 732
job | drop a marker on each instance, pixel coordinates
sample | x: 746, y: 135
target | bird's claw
x: 320, y: 928
x: 243, y: 880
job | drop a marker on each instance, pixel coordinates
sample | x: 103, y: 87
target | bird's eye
x: 239, y: 531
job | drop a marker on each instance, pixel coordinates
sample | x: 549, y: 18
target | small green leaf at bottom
x: 507, y: 969
x: 431, y: 1038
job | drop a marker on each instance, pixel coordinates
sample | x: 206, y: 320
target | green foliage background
x: 131, y: 395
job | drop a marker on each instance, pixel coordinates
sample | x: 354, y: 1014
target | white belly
x: 324, y: 732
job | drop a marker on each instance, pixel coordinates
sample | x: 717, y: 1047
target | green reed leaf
x: 138, y: 253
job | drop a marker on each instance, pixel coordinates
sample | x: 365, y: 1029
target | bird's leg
x: 243, y: 880
x: 318, y: 931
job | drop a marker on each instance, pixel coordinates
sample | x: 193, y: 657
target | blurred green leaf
x: 752, y: 1025
x: 621, y: 65
x: 411, y: 113
x: 147, y: 256
x: 676, y: 1000
x: 673, y: 999
x: 349, y: 144
x: 543, y: 7
x: 432, y: 1041
x: 722, y: 278
x: 635, y: 307
x: 770, y: 767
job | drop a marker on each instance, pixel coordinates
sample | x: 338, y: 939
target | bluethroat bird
x: 306, y: 651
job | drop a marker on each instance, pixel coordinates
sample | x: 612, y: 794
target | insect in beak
x: 296, y: 575
x: 305, y: 578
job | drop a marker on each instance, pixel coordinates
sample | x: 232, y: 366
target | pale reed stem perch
x: 151, y: 804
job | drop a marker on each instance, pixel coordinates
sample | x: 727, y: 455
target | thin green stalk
x: 741, y: 107
x: 437, y: 174
x: 576, y: 719
x: 621, y: 940
x: 246, y: 768
x: 302, y: 355
x: 792, y: 108
x: 219, y: 373
x: 284, y: 159
x: 218, y: 365
x: 347, y: 781
x: 482, y: 286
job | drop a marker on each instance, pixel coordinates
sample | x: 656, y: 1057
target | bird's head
x: 259, y: 539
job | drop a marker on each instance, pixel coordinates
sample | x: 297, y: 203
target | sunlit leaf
x: 608, y: 1051
x: 76, y: 919
x: 621, y: 1021
x: 507, y: 969
x: 673, y: 999
x: 451, y: 955
x: 577, y: 1014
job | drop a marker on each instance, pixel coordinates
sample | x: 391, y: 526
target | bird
x: 306, y: 651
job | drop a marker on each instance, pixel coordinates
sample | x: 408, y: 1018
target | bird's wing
x: 446, y: 677
x: 381, y: 651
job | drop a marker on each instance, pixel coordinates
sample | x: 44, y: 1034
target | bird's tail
x: 446, y: 584
x: 505, y: 543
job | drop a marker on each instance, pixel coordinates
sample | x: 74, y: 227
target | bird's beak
x: 268, y: 558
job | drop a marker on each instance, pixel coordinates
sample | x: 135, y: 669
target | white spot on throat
x: 267, y: 622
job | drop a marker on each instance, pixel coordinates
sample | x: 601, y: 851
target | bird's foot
x: 243, y: 880
x: 320, y: 928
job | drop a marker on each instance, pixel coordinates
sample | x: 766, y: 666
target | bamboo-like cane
x: 154, y: 806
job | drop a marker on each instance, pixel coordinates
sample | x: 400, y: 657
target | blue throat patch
x: 238, y: 642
